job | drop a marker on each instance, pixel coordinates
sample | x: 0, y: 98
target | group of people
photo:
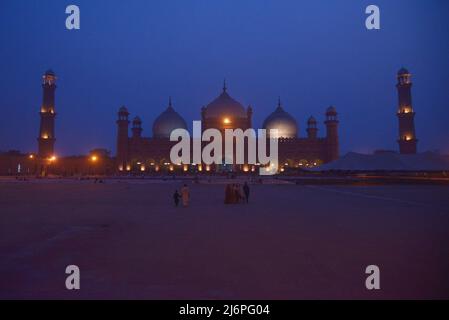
x: 236, y: 193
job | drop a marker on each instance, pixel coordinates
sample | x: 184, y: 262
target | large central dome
x: 225, y: 106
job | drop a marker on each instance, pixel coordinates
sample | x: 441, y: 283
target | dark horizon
x: 138, y: 54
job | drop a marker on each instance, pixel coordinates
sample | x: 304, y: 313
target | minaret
x: 406, y: 116
x: 333, y: 151
x: 46, y: 139
x: 312, y: 128
x: 122, y: 138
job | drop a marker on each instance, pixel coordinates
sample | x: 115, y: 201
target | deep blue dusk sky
x: 138, y: 53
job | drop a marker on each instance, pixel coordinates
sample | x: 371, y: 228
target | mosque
x: 137, y: 153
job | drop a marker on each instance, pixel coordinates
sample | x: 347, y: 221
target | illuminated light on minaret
x: 406, y: 115
x: 46, y: 139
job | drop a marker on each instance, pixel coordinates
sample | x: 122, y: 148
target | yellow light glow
x: 282, y: 169
x: 128, y: 168
x: 142, y: 168
x: 200, y: 167
x: 208, y: 168
x: 226, y: 121
x: 31, y: 156
x: 186, y: 167
x: 94, y: 158
x: 245, y: 168
x: 171, y: 168
x: 45, y: 136
x: 120, y: 168
x: 52, y: 158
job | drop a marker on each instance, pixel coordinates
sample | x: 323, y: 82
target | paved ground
x: 290, y: 242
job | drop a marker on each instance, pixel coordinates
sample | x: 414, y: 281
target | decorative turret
x: 249, y: 116
x: 332, y: 134
x: 312, y: 129
x: 137, y: 128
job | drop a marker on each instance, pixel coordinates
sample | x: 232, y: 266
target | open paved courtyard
x: 289, y: 242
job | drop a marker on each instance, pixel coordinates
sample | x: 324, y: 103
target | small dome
x: 166, y: 122
x: 402, y: 72
x: 123, y: 109
x: 283, y: 122
x: 331, y: 111
x: 311, y: 120
x: 137, y: 120
x: 224, y: 106
x: 50, y: 72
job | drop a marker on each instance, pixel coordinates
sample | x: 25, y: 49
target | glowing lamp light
x: 207, y: 168
x: 186, y: 167
x: 171, y: 168
x: 94, y: 158
x: 128, y: 168
x: 120, y: 168
x: 31, y: 156
x: 142, y: 168
x: 52, y: 159
x: 245, y: 168
x: 45, y: 136
x: 226, y: 121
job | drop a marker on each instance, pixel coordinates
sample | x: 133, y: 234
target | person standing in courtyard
x: 246, y: 191
x: 176, y: 197
x: 185, y: 194
x: 228, y: 194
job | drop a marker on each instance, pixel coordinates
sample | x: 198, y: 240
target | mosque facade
x: 138, y: 153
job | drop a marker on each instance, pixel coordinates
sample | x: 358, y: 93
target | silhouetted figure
x: 238, y: 193
x: 246, y: 191
x: 185, y: 194
x: 176, y: 197
x: 228, y: 194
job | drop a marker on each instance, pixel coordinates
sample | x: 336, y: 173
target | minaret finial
x: 224, y: 85
x: 169, y: 102
x: 279, y: 102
